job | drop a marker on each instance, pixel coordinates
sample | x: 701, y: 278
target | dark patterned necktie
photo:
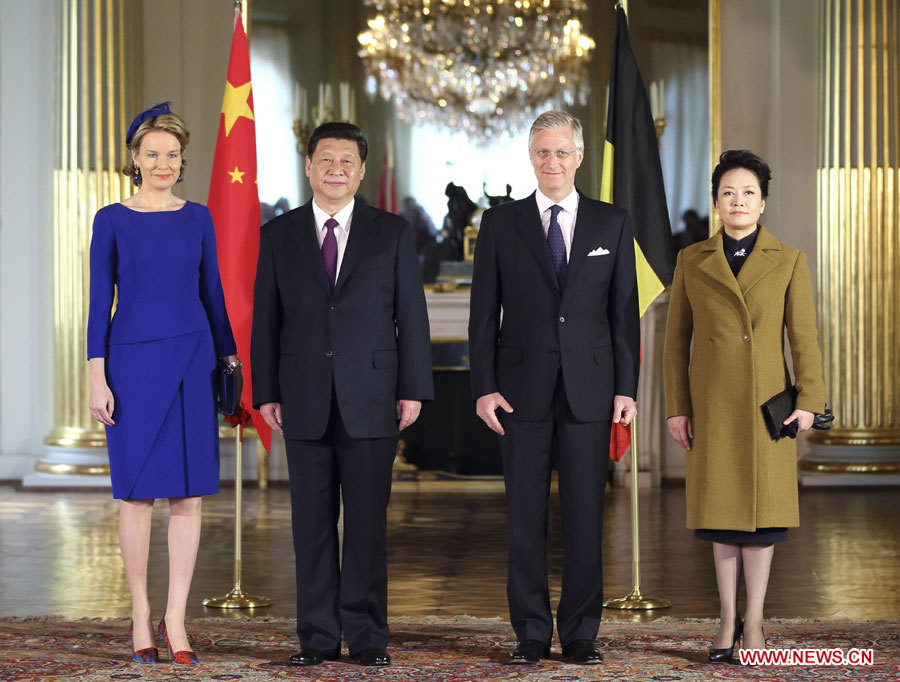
x: 329, y: 250
x: 557, y: 246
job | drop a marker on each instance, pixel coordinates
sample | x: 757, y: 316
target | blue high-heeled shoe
x: 182, y: 657
x: 148, y: 655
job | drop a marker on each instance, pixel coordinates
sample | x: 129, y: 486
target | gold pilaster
x: 95, y: 89
x: 715, y: 95
x: 858, y: 232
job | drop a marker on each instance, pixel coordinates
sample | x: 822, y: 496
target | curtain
x: 684, y: 146
x: 278, y: 163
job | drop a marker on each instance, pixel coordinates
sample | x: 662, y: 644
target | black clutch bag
x: 778, y: 408
x: 226, y: 388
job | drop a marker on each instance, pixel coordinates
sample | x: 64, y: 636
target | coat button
x: 329, y: 353
x: 562, y: 320
x: 745, y: 337
x: 333, y: 309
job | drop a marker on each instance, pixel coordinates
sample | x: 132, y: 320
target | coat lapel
x: 759, y: 262
x: 304, y: 233
x: 716, y: 266
x: 528, y: 222
x: 585, y: 238
x: 363, y: 229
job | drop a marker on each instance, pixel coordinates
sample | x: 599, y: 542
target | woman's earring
x: 180, y: 177
x: 137, y: 175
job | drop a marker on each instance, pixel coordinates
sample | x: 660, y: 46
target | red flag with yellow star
x: 234, y: 204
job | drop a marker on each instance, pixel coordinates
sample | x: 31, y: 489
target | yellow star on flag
x: 237, y: 175
x: 235, y: 105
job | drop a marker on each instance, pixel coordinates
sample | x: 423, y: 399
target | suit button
x: 333, y: 309
x: 745, y: 337
x: 329, y: 353
x: 562, y: 320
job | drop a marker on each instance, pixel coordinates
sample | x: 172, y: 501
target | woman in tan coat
x: 733, y: 296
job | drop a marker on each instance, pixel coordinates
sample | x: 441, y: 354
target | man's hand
x: 624, y: 410
x: 681, y: 429
x: 271, y: 412
x: 486, y: 406
x: 407, y: 412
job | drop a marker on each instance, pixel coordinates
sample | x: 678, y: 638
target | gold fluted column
x: 96, y: 43
x: 858, y: 230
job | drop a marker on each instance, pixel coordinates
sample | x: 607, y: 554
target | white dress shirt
x: 566, y: 217
x: 341, y: 232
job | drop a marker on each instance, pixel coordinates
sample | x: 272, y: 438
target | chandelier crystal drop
x: 485, y: 67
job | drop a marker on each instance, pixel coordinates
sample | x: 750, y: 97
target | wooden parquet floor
x: 447, y: 554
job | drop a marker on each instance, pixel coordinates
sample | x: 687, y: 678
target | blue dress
x: 160, y: 347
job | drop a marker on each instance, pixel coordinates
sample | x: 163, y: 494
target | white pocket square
x: 599, y: 251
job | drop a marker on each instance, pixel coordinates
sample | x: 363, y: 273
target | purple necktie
x: 557, y: 246
x: 329, y: 251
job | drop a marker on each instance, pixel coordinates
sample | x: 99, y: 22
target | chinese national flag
x: 234, y: 204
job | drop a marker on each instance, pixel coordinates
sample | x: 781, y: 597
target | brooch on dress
x: 741, y: 252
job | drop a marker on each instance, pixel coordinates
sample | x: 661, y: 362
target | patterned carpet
x: 452, y: 649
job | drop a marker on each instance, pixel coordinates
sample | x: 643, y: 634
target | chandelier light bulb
x: 483, y: 66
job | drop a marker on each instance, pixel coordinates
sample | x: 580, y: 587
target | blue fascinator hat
x: 152, y: 112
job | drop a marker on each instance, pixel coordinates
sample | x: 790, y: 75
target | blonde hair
x: 553, y: 119
x: 167, y: 123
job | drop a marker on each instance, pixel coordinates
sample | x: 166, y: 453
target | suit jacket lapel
x: 587, y: 230
x: 304, y: 234
x: 759, y: 263
x: 363, y: 229
x: 717, y: 267
x: 528, y: 222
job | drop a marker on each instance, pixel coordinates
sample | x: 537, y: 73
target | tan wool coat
x: 724, y: 357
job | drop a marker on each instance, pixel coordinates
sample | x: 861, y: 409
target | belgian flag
x: 632, y: 176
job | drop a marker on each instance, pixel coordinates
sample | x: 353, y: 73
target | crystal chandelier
x: 485, y: 67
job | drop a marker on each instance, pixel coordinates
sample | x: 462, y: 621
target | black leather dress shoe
x: 372, y: 657
x: 530, y: 651
x: 582, y: 651
x: 309, y: 656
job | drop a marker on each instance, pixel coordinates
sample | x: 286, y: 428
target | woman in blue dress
x: 152, y: 364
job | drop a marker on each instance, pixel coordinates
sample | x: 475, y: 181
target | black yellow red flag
x: 632, y: 174
x: 632, y: 179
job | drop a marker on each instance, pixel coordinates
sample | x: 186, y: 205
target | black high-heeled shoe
x: 725, y: 655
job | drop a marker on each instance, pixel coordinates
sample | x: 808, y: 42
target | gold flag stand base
x: 237, y: 598
x: 635, y: 601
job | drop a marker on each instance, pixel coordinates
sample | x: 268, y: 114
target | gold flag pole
x: 635, y: 601
x: 237, y: 598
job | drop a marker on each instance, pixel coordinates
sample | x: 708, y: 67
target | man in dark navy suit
x: 341, y: 363
x: 554, y: 345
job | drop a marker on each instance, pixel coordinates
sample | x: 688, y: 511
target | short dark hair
x: 338, y: 130
x: 741, y: 158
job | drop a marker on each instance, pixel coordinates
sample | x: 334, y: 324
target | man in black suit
x: 341, y: 362
x: 560, y: 363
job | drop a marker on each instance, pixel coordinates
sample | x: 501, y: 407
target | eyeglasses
x: 560, y: 154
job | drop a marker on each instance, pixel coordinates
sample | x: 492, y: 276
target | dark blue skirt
x: 165, y: 442
x: 761, y: 536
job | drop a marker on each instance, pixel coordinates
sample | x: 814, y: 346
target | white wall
x: 27, y: 75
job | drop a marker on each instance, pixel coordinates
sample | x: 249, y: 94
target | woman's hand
x: 238, y: 376
x: 804, y: 419
x: 681, y: 430
x: 101, y: 401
